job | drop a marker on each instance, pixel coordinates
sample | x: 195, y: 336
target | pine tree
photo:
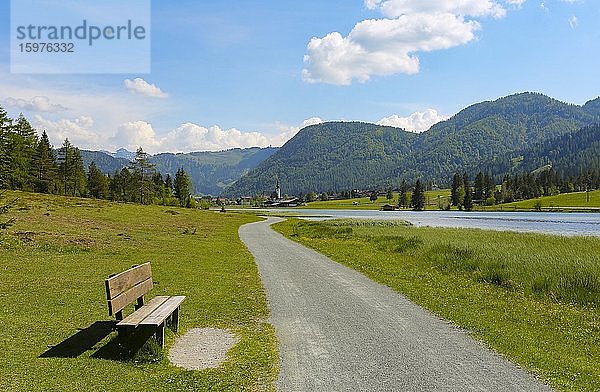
x: 468, y: 198
x: 169, y: 186
x: 480, y: 191
x: 97, y: 183
x: 389, y: 195
x: 403, y: 196
x: 417, y: 200
x: 455, y: 196
x: 5, y: 129
x: 71, y: 170
x: 143, y: 171
x: 22, y: 143
x: 183, y: 187
x: 79, y: 175
x: 44, y: 167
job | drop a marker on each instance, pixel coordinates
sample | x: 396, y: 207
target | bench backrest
x: 127, y: 287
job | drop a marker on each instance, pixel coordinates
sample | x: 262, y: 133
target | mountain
x: 210, y: 172
x: 344, y: 155
x: 569, y: 154
x: 104, y: 161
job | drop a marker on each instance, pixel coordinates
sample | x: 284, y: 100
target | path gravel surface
x: 340, y: 331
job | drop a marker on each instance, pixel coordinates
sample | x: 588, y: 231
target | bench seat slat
x: 134, y: 319
x: 164, y: 311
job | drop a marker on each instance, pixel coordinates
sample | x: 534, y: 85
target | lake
x: 570, y: 224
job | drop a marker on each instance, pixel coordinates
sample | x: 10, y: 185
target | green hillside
x: 210, y: 172
x: 343, y: 155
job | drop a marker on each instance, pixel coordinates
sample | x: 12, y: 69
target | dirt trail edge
x: 340, y: 331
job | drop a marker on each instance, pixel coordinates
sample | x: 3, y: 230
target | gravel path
x: 340, y: 331
x: 202, y: 348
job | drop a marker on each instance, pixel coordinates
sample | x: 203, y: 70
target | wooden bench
x: 131, y: 286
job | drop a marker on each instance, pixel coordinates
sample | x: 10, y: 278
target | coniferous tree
x: 22, y: 143
x: 71, y: 170
x: 417, y: 200
x: 97, y: 183
x: 169, y: 185
x: 5, y: 130
x: 45, y: 170
x: 480, y: 191
x: 143, y: 171
x: 468, y: 197
x: 183, y: 187
x: 403, y: 196
x: 389, y: 195
x: 455, y: 195
x: 79, y: 175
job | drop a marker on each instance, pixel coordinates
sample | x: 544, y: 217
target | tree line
x: 30, y: 163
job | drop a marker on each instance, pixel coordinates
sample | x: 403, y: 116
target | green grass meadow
x: 575, y: 199
x: 364, y: 203
x: 533, y: 298
x: 53, y: 263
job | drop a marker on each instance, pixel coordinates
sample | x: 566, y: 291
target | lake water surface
x: 571, y: 224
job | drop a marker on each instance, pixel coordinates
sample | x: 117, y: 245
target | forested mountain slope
x: 210, y: 172
x: 344, y: 155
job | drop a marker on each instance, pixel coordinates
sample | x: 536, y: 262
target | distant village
x: 276, y: 200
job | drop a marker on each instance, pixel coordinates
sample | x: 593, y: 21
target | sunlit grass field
x: 534, y: 298
x: 431, y: 197
x: 53, y: 263
x: 576, y: 199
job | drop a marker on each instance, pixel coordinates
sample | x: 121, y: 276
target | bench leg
x: 175, y: 320
x: 160, y: 335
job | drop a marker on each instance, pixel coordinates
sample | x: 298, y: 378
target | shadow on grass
x: 138, y: 347
x: 84, y: 340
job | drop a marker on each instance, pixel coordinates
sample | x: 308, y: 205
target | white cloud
x: 417, y: 122
x: 79, y: 131
x: 134, y: 134
x: 517, y: 3
x: 188, y: 137
x: 396, y: 8
x: 390, y: 46
x: 573, y: 22
x: 193, y: 137
x: 141, y: 87
x: 35, y: 104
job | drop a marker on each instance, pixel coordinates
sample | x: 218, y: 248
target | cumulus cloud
x: 83, y: 132
x: 79, y: 131
x: 134, y: 134
x: 141, y: 87
x: 395, y: 8
x: 417, y: 122
x: 390, y: 45
x: 35, y: 104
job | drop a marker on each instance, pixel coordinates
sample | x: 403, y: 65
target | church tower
x: 278, y: 190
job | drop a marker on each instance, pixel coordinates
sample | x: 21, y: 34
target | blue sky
x: 245, y: 73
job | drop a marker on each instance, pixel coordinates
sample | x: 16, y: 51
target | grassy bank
x: 533, y: 298
x: 363, y: 203
x: 567, y: 201
x: 53, y: 263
